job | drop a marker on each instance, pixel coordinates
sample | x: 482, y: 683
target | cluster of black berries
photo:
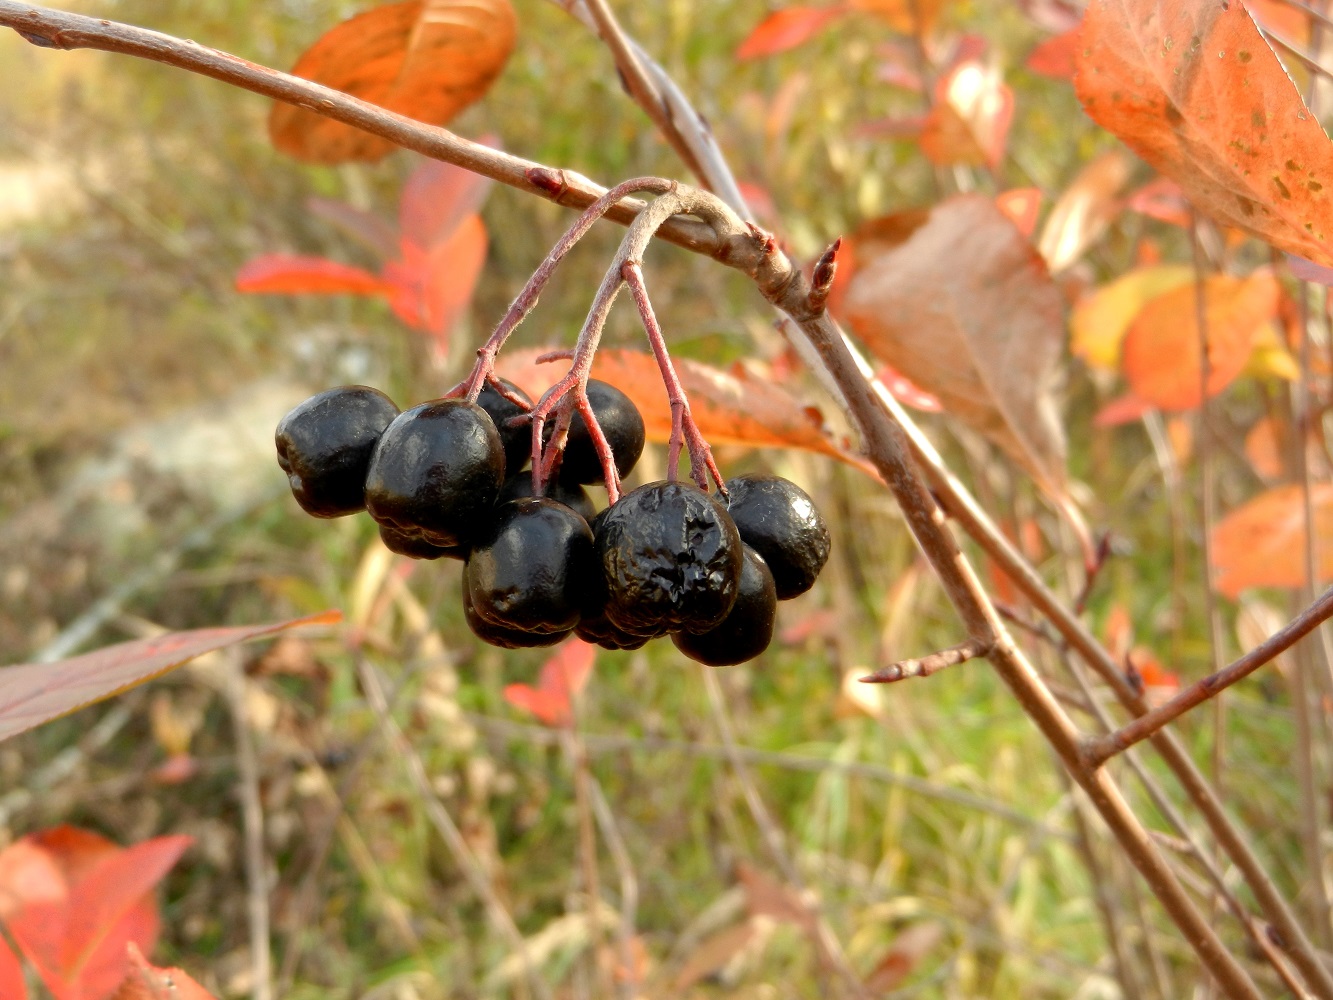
x: 666, y: 559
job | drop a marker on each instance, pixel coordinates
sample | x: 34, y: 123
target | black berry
x: 622, y: 424
x: 519, y: 487
x: 436, y: 472
x: 531, y: 570
x: 410, y: 543
x: 517, y: 440
x: 671, y: 558
x: 748, y: 628
x: 325, y: 444
x: 505, y: 638
x: 778, y: 519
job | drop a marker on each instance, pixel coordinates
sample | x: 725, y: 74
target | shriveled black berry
x: 531, y: 570
x: 325, y: 443
x: 517, y: 440
x: 671, y: 558
x: 602, y: 631
x: 519, y: 487
x: 436, y: 472
x: 779, y: 520
x: 622, y: 424
x: 748, y: 628
x: 410, y: 543
x: 505, y: 638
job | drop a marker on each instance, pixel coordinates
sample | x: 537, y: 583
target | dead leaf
x: 1100, y: 320
x: 1262, y: 543
x: 1082, y: 213
x: 426, y: 59
x: 955, y: 299
x: 33, y: 693
x: 1193, y: 88
x: 765, y: 896
x: 1161, y: 349
x: 903, y: 956
x: 729, y: 407
x: 713, y: 953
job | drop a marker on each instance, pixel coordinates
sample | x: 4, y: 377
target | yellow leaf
x: 1101, y: 320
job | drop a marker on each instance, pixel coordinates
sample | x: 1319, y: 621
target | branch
x: 1098, y: 751
x: 926, y: 665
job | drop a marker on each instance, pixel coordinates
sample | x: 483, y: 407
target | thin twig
x: 926, y: 665
x: 629, y: 882
x: 252, y: 821
x: 1098, y: 751
x: 587, y: 851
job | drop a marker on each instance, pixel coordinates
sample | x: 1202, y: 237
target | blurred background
x: 139, y: 491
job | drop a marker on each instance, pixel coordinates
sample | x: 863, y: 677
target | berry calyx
x: 325, y: 443
x: 622, y: 424
x: 748, y: 628
x: 671, y: 558
x: 778, y: 520
x: 436, y: 471
x: 531, y: 570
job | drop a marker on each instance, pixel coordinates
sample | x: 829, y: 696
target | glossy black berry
x: 779, y: 520
x: 517, y: 440
x: 748, y: 628
x: 622, y: 424
x: 671, y: 558
x: 410, y: 543
x: 325, y: 443
x: 519, y: 487
x: 599, y: 629
x: 531, y: 570
x: 505, y: 638
x: 436, y: 472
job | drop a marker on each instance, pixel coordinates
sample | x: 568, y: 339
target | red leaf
x: 1055, y: 56
x: 1195, y: 90
x: 34, y: 693
x: 73, y: 900
x: 786, y: 29
x: 12, y: 986
x: 1161, y: 199
x: 452, y: 270
x: 1124, y: 410
x: 290, y: 274
x: 147, y: 982
x: 970, y: 118
x: 436, y: 198
x: 907, y: 392
x: 366, y: 228
x: 563, y: 676
x: 1021, y: 205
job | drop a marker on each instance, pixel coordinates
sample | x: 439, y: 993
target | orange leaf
x: 1263, y: 449
x: 1161, y: 350
x: 959, y: 302
x: 452, y: 269
x: 1055, y: 56
x: 1100, y: 321
x: 910, y: 17
x: 290, y: 274
x: 970, y: 117
x: 1193, y: 88
x: 12, y: 985
x: 563, y: 676
x: 785, y: 29
x: 1124, y: 410
x: 901, y: 388
x: 1161, y: 199
x: 729, y: 407
x: 34, y: 693
x: 426, y: 59
x: 73, y: 900
x: 1021, y: 206
x: 1082, y: 213
x: 1159, y: 684
x: 1262, y: 543
x: 147, y: 982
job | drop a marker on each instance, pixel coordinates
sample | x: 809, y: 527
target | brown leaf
x: 1262, y: 542
x: 426, y: 59
x: 713, y: 953
x: 34, y: 693
x: 955, y: 299
x: 765, y: 896
x: 902, y: 958
x: 1193, y: 88
x: 1160, y: 357
x: 729, y: 407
